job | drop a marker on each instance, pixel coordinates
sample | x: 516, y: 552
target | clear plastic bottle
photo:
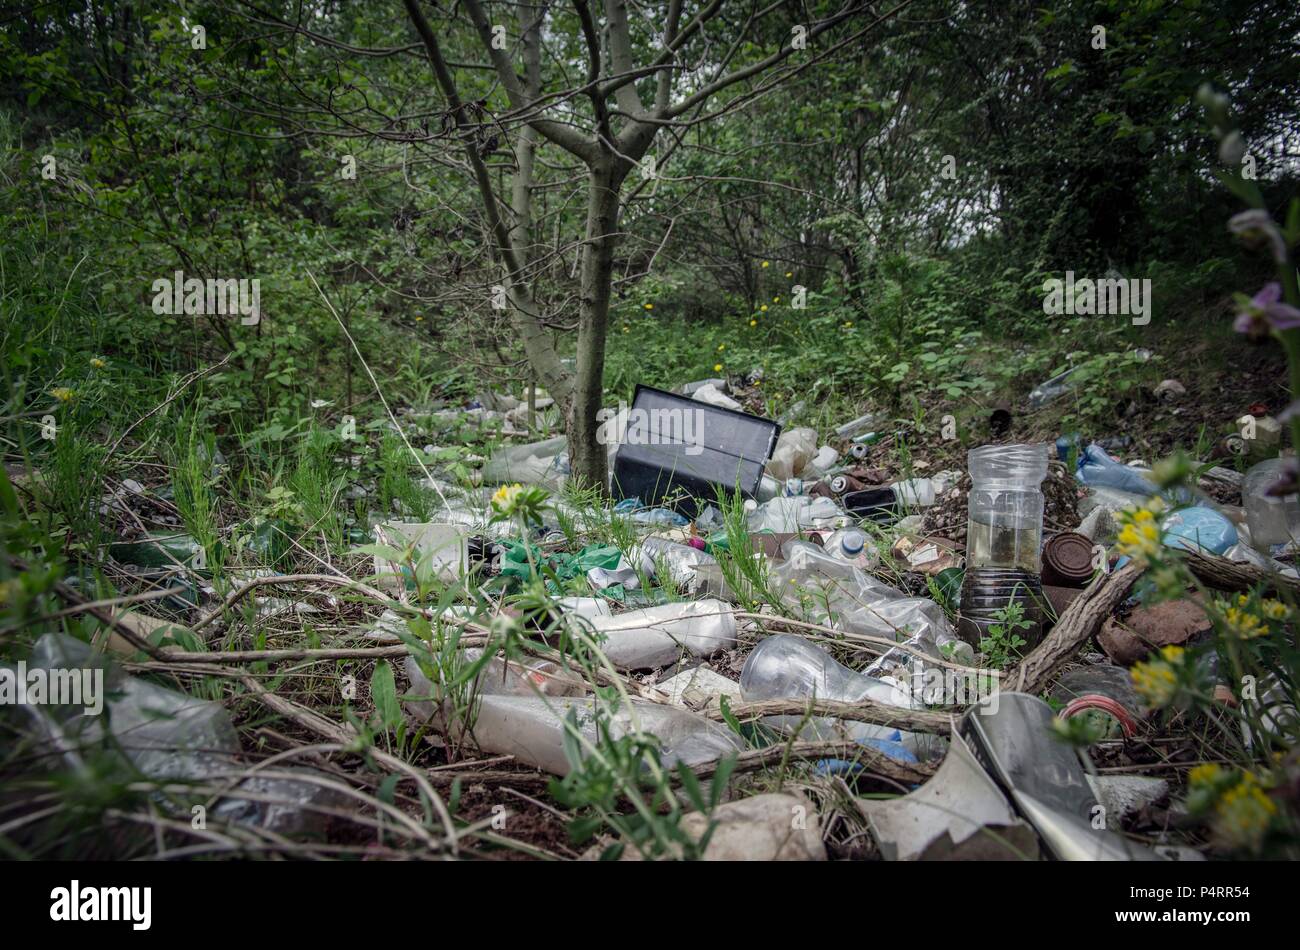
x: 786, y: 666
x: 850, y: 544
x: 1271, y: 519
x: 1006, y: 507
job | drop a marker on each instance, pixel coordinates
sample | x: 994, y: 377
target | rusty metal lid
x: 1067, y: 560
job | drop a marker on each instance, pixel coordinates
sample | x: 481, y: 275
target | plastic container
x: 1005, y: 529
x: 532, y: 729
x: 915, y: 492
x: 1271, y: 519
x: 789, y: 667
x: 657, y: 636
x: 1097, y: 469
x: 727, y: 450
x: 836, y: 593
x: 794, y: 450
x: 850, y: 544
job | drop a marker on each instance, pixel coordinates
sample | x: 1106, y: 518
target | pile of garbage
x: 754, y: 567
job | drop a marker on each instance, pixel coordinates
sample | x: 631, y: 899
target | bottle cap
x: 851, y: 542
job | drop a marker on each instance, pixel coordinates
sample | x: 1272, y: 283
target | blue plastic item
x: 1199, y: 528
x: 1064, y: 444
x: 1099, y: 469
x: 891, y: 746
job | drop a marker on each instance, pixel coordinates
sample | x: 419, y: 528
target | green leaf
x: 383, y: 693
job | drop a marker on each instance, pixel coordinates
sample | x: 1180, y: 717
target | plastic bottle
x: 850, y: 544
x: 859, y: 425
x: 656, y: 636
x: 1271, y: 519
x: 1005, y: 529
x: 794, y: 450
x: 682, y: 559
x: 532, y: 730
x: 915, y: 492
x: 786, y: 666
x: 823, y: 461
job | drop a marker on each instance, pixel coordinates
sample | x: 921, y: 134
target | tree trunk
x: 586, y: 455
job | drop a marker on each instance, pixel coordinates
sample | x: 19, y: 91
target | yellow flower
x: 1274, y: 610
x: 763, y: 309
x: 717, y: 367
x: 767, y: 263
x: 419, y: 319
x: 96, y: 362
x: 649, y: 306
x: 62, y: 393
x: 1207, y: 774
x: 721, y: 347
x: 1243, y: 625
x: 627, y: 329
x: 848, y: 324
x: 505, y: 497
x: 753, y: 323
x: 1244, y: 813
x: 1139, y: 539
x: 1157, y: 681
x: 789, y: 273
x: 776, y: 300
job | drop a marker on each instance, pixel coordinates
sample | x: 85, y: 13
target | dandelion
x: 753, y: 323
x: 419, y: 319
x: 776, y: 300
x: 62, y: 393
x: 649, y: 306
x: 717, y: 367
x: 96, y: 362
x: 721, y: 347
x: 789, y: 273
x: 763, y: 309
x: 767, y: 264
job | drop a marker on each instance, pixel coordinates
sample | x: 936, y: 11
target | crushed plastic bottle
x: 657, y: 636
x: 838, y: 594
x: 532, y: 729
x: 792, y: 515
x: 794, y: 450
x: 531, y: 677
x: 786, y: 666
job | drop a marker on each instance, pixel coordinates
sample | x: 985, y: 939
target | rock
x: 771, y: 827
x: 1170, y: 623
x: 1124, y: 795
